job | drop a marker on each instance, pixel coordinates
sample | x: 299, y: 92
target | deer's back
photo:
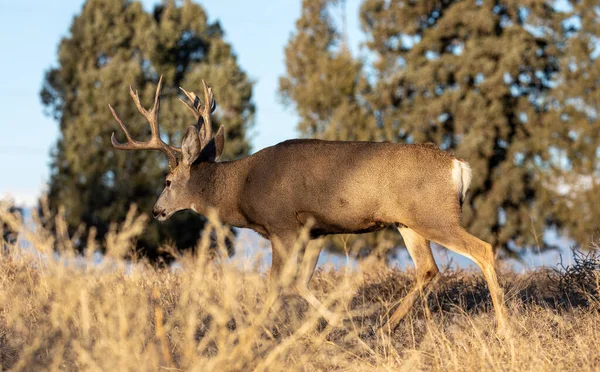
x: 347, y: 186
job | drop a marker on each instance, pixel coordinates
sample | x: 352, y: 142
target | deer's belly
x: 326, y: 224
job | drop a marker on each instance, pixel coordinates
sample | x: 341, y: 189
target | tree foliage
x: 509, y: 86
x: 8, y: 232
x: 114, y: 43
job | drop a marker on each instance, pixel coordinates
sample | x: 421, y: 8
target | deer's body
x: 331, y: 186
x: 342, y: 187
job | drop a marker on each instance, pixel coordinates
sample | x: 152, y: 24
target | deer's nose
x: 156, y: 212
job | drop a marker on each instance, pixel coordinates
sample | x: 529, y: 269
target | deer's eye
x: 168, y: 183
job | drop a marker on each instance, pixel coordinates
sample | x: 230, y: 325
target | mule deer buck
x: 340, y: 187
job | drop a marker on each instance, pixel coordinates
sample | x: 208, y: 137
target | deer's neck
x: 218, y: 185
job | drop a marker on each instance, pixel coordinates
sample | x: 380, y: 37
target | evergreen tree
x: 482, y: 79
x: 114, y: 43
x: 323, y: 79
x: 574, y: 170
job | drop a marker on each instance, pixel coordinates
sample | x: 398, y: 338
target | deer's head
x: 198, y: 145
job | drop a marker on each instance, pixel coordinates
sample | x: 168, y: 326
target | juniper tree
x: 486, y: 80
x: 114, y: 43
x: 574, y: 169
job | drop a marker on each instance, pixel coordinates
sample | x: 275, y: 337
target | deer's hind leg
x: 460, y: 241
x: 420, y: 252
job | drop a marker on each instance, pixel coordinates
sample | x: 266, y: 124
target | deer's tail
x: 461, y: 175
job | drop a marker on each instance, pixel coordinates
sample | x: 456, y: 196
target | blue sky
x: 30, y: 31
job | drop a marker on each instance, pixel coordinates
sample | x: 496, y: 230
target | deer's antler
x: 155, y: 142
x: 201, y: 111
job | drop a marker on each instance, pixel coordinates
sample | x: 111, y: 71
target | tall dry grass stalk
x: 62, y: 311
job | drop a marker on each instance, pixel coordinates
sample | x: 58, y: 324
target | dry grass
x: 69, y: 313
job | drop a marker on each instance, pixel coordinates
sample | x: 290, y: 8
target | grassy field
x: 63, y: 312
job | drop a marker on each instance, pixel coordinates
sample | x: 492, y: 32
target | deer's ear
x: 190, y: 146
x: 214, y: 147
x: 219, y: 141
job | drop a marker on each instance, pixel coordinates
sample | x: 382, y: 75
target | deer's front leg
x: 283, y: 265
x: 284, y: 270
x: 308, y: 263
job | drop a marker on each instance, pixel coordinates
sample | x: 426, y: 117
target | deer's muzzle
x: 159, y: 213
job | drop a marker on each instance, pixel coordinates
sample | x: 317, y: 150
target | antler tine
x: 152, y: 115
x: 156, y: 106
x: 114, y: 141
x: 155, y: 142
x: 201, y: 110
x: 196, y: 102
x: 207, y: 109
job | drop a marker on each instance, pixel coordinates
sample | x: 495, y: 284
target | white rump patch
x: 461, y: 176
